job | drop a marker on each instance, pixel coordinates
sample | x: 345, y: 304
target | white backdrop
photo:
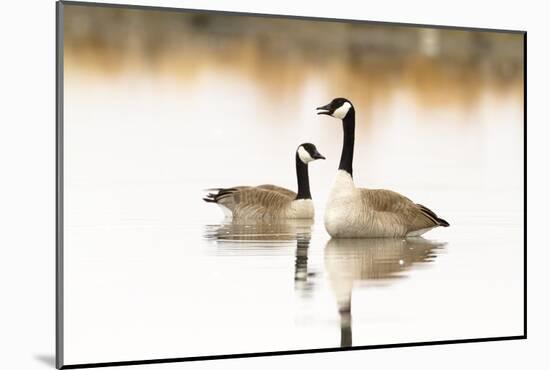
x: 27, y: 205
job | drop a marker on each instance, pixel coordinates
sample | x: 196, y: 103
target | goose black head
x: 307, y: 152
x: 337, y: 108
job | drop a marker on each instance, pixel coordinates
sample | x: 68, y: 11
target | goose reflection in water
x: 258, y: 231
x: 236, y: 237
x: 352, y: 261
x: 249, y: 236
x: 302, y: 277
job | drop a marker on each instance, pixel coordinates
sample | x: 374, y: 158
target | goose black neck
x: 303, y: 179
x: 346, y: 159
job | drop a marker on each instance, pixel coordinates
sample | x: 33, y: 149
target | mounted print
x: 235, y: 184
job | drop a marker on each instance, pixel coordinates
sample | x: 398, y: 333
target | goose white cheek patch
x: 304, y: 155
x: 341, y: 112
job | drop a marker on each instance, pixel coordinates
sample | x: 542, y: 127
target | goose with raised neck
x: 353, y: 212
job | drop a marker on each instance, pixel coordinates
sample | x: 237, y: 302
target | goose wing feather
x: 254, y: 202
x: 400, y: 209
x: 283, y: 191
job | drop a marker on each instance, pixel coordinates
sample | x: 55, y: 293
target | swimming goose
x: 271, y: 201
x: 354, y: 212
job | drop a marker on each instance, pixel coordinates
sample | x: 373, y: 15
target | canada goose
x: 353, y: 262
x: 271, y: 201
x: 354, y: 212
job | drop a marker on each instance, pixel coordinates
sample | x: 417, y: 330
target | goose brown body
x: 262, y: 202
x: 366, y: 213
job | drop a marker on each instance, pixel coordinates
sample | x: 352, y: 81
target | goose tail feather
x: 442, y: 222
x: 432, y: 216
x: 216, y: 194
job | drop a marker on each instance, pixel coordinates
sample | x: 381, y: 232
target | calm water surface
x: 151, y: 271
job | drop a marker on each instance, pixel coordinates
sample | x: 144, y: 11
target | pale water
x: 152, y: 271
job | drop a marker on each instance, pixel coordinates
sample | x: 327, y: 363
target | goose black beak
x: 325, y: 109
x: 318, y: 156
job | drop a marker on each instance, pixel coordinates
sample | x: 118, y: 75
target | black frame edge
x: 59, y: 323
x: 293, y: 352
x: 525, y: 184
